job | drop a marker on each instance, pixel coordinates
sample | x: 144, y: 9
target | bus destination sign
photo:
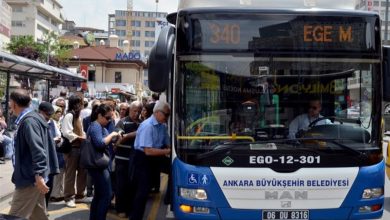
x: 286, y: 33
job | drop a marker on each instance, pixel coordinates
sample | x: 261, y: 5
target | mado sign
x: 128, y: 56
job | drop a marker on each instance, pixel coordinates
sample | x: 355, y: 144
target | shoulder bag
x: 91, y: 157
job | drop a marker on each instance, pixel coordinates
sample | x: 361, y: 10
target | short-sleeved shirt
x: 127, y: 125
x: 151, y: 133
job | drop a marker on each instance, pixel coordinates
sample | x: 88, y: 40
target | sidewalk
x: 6, y: 186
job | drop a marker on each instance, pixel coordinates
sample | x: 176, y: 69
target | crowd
x: 47, y: 155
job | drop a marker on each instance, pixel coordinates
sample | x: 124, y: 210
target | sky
x: 94, y: 13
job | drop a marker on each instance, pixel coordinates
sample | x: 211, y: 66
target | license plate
x: 285, y: 214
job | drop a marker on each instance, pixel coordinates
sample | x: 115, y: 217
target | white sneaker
x: 84, y: 200
x: 70, y: 204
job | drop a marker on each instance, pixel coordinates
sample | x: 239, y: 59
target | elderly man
x: 35, y: 159
x: 123, y: 110
x: 129, y: 125
x: 151, y: 143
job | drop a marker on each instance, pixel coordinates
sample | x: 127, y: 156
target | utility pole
x: 386, y: 21
x: 129, y: 20
x: 156, y: 7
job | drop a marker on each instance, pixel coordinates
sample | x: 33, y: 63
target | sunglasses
x: 108, y: 118
x: 165, y: 114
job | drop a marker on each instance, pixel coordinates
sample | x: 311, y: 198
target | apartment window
x: 17, y: 9
x: 18, y: 24
x: 120, y: 43
x: 149, y: 33
x: 150, y: 24
x: 120, y: 13
x: 376, y: 3
x: 54, y: 23
x: 118, y: 77
x: 41, y: 28
x: 135, y: 43
x: 91, y: 75
x: 121, y: 23
x: 45, y: 17
x: 120, y: 33
x: 136, y: 23
x: 149, y: 43
x: 136, y: 33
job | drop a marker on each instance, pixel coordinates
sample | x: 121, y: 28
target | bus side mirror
x: 386, y: 74
x: 160, y: 60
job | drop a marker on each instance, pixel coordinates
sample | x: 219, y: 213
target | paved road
x: 155, y: 209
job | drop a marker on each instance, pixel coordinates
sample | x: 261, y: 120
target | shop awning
x: 20, y: 65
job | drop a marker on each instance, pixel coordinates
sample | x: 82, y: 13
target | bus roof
x: 274, y: 4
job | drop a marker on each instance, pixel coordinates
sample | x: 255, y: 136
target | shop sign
x: 128, y: 56
x: 5, y: 31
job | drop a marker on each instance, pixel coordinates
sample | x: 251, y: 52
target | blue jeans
x: 102, y: 196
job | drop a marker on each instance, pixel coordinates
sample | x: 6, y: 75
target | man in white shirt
x: 302, y: 122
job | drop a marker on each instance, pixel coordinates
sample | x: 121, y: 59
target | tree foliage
x: 49, y: 50
x: 25, y: 46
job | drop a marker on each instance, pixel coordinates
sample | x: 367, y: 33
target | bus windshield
x: 238, y: 104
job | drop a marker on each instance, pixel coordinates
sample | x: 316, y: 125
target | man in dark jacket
x: 35, y: 159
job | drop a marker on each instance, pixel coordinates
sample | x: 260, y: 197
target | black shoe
x: 54, y: 199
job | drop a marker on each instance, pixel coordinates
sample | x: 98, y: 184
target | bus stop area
x: 38, y: 78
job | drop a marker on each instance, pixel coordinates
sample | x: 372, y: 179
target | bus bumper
x: 234, y: 214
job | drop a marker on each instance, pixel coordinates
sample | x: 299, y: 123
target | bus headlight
x: 199, y: 194
x: 372, y: 193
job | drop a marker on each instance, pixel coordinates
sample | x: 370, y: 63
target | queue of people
x: 47, y: 154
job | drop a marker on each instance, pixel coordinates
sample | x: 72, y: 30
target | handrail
x: 233, y: 137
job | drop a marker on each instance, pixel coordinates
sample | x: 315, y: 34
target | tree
x: 49, y: 50
x: 57, y: 51
x: 25, y: 46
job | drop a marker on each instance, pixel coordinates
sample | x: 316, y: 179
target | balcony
x: 51, y: 8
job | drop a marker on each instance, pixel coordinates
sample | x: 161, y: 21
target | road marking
x: 157, y: 200
x: 79, y: 207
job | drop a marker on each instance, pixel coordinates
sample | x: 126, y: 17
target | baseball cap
x: 46, y: 107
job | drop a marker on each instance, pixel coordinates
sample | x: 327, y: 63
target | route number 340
x: 227, y: 34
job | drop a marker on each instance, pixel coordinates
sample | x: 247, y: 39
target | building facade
x: 139, y: 28
x: 5, y: 24
x: 107, y: 72
x: 376, y: 6
x: 35, y: 17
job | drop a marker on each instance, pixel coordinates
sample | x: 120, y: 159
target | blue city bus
x: 237, y: 74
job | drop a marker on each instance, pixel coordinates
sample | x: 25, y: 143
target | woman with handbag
x: 100, y: 141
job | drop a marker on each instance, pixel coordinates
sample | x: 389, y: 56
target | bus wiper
x: 337, y: 143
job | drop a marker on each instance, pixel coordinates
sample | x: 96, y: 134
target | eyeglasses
x: 165, y: 114
x: 313, y: 107
x: 108, y: 118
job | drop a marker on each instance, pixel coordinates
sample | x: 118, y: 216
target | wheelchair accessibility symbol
x: 193, y: 179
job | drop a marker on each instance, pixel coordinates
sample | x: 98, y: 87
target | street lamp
x: 386, y: 21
